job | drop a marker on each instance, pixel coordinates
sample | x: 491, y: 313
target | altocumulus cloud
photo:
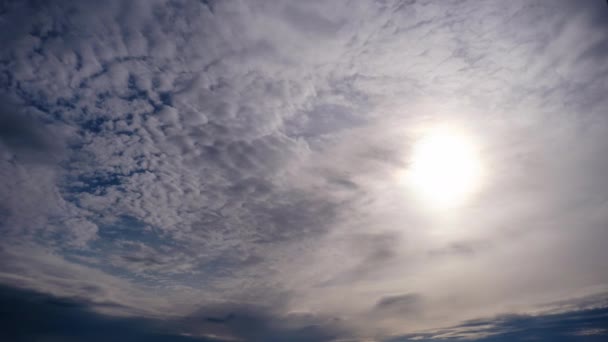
x: 228, y: 170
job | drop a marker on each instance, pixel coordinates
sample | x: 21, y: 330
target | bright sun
x: 444, y: 167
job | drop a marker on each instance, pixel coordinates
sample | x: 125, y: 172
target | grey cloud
x: 26, y: 136
x: 325, y: 119
x: 582, y: 324
x: 307, y: 20
x: 138, y: 129
x: 374, y: 251
x: 252, y: 323
x: 458, y: 249
x: 48, y: 314
x: 406, y: 304
x: 30, y: 314
x: 31, y: 150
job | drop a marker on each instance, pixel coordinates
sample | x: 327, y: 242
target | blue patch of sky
x: 96, y: 183
x: 94, y: 125
x: 129, y: 228
x: 166, y: 98
x: 93, y: 184
x: 134, y: 91
x: 37, y: 99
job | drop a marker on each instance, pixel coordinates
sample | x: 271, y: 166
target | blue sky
x: 304, y: 171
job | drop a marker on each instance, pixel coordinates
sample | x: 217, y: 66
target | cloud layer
x: 163, y: 158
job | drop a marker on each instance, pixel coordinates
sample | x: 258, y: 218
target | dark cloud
x: 258, y: 323
x: 585, y: 325
x: 31, y: 316
x: 27, y: 315
x: 25, y: 135
x: 405, y: 302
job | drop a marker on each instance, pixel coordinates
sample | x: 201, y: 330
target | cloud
x: 24, y: 136
x: 173, y: 155
x: 28, y: 315
x: 580, y: 325
x: 406, y: 302
x: 251, y: 323
x: 32, y: 315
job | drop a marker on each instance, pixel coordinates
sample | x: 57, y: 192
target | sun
x: 444, y: 167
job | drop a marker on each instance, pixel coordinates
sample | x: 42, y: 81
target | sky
x: 267, y: 170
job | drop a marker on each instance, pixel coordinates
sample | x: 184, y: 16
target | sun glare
x: 444, y: 167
